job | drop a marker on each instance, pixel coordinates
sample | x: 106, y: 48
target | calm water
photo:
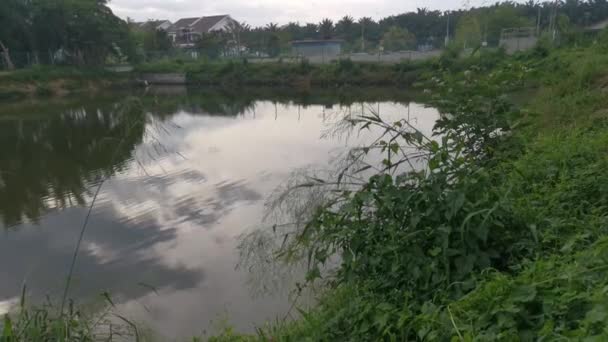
x: 187, y: 175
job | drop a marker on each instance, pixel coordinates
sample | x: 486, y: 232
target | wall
x: 389, y: 58
x: 321, y: 51
x: 516, y: 44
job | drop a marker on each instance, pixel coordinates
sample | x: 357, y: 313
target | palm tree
x: 310, y: 31
x: 326, y: 29
x: 272, y: 27
x: 345, y: 26
x: 293, y: 29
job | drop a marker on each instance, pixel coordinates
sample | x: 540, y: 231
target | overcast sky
x: 261, y: 12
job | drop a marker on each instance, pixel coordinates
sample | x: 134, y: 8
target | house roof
x: 206, y: 23
x: 183, y: 23
x: 199, y: 24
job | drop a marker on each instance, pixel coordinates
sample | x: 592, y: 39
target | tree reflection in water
x: 50, y: 163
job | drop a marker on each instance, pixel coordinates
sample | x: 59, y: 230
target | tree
x: 397, y: 38
x: 7, y: 57
x: 272, y: 27
x: 273, y: 47
x: 502, y: 16
x: 156, y: 40
x: 294, y: 30
x: 212, y: 44
x: 86, y: 30
x: 345, y: 27
x: 310, y: 31
x: 14, y: 29
x: 468, y: 31
x: 365, y: 23
x: 326, y: 29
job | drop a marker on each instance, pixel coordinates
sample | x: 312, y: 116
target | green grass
x: 47, y: 73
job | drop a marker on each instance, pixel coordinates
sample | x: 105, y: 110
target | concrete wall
x: 166, y: 79
x: 389, y: 58
x: 516, y: 44
x: 393, y: 57
x: 322, y: 51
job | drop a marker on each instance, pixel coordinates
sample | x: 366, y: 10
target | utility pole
x: 362, y: 35
x: 538, y: 22
x: 447, y: 31
x: 554, y: 21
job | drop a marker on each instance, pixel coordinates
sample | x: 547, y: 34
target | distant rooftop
x: 198, y: 24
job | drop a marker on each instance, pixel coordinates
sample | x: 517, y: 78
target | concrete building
x: 322, y: 50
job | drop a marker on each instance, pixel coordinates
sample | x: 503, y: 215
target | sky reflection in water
x: 180, y: 193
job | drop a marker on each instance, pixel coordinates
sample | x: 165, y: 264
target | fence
x: 27, y: 59
x: 388, y: 58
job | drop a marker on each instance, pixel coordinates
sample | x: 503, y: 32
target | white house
x: 185, y: 32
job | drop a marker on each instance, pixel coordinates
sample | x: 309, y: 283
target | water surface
x: 186, y: 173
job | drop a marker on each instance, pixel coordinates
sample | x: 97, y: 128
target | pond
x: 182, y: 175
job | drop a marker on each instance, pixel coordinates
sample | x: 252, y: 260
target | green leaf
x: 7, y: 332
x: 435, y: 251
x: 598, y: 314
x: 523, y: 293
x: 395, y: 148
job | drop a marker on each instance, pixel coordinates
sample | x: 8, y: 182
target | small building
x: 323, y: 50
x: 187, y: 31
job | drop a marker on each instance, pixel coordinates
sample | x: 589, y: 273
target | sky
x: 261, y: 12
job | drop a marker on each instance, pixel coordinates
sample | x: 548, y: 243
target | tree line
x: 86, y: 32
x: 79, y: 32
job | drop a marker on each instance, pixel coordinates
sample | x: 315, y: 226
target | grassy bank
x: 57, y: 81
x: 503, y: 237
x: 340, y: 73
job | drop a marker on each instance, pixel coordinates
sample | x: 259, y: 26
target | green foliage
x: 342, y: 72
x: 503, y: 16
x: 468, y: 31
x: 212, y: 45
x: 396, y: 39
x: 86, y: 30
x: 43, y: 90
x: 46, y: 323
x: 326, y: 29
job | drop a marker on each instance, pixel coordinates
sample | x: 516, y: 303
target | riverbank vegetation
x: 291, y: 73
x: 45, y: 81
x: 502, y: 237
